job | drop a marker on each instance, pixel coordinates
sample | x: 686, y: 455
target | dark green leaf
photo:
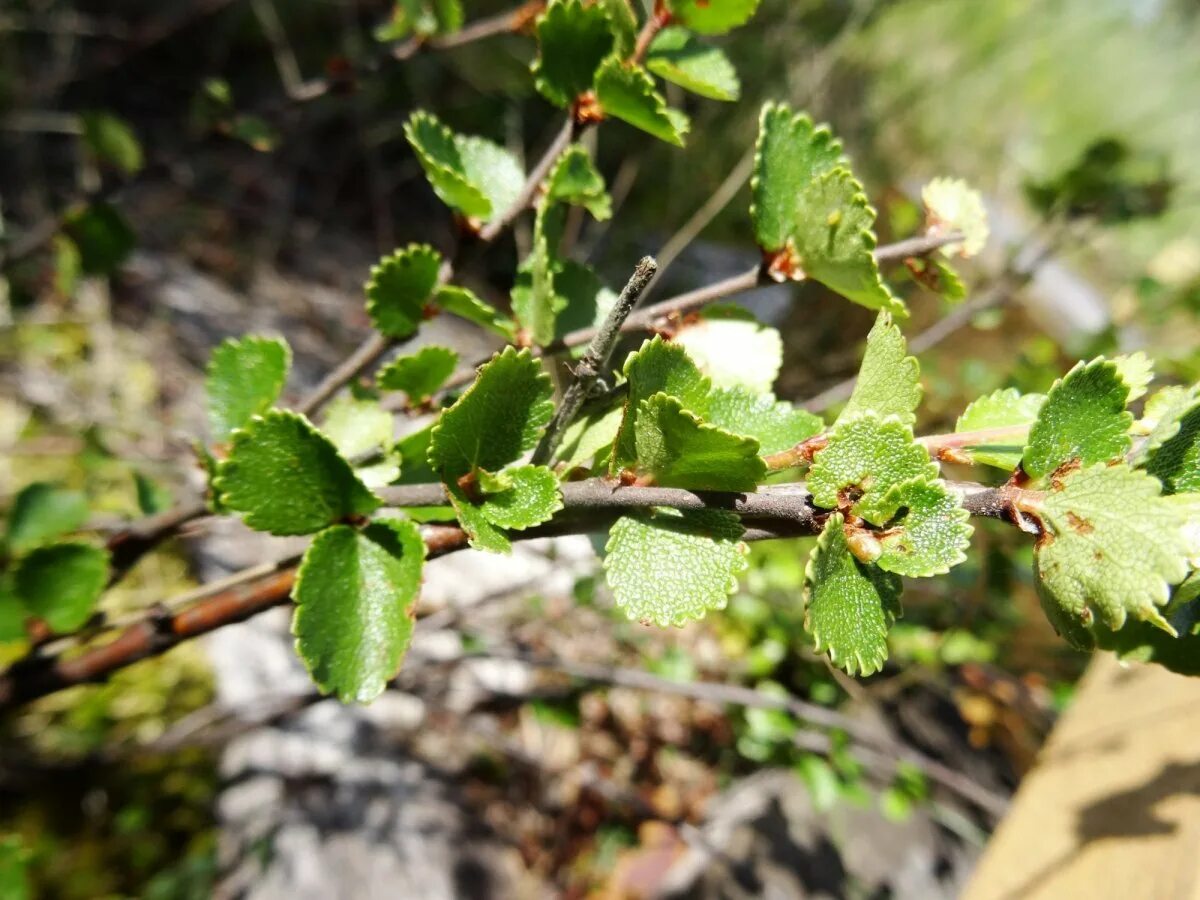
x: 627, y: 92
x: 573, y: 39
x: 60, y: 583
x: 102, y: 235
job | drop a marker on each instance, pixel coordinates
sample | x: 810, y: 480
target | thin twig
x: 594, y: 361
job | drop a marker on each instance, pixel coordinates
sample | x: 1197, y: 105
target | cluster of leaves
x: 1112, y: 499
x: 48, y: 580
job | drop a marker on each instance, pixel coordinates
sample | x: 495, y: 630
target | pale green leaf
x: 356, y: 426
x: 528, y: 496
x: 657, y: 366
x: 776, y: 425
x: 627, y: 92
x: 355, y: 595
x: 110, y: 140
x: 671, y: 567
x: 1083, y: 419
x: 865, y: 458
x: 399, y: 287
x: 285, y: 477
x: 1161, y: 418
x: 678, y: 57
x: 1137, y: 371
x: 576, y: 181
x: 588, y: 299
x: 1111, y: 547
x: 42, y: 512
x: 458, y: 301
x: 244, y: 378
x: 60, y: 583
x: 678, y: 449
x: 420, y: 374
x: 889, y: 380
x: 734, y: 352
x: 712, y: 16
x: 848, y: 606
x: 474, y: 175
x: 536, y: 302
x: 952, y: 205
x: 573, y: 39
x: 588, y: 435
x: 481, y: 533
x: 1005, y: 408
x: 790, y: 153
x: 497, y: 418
x: 928, y: 535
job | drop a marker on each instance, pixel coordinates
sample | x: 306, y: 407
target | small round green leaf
x: 285, y: 477
x: 712, y: 16
x: 627, y: 92
x: 60, y: 583
x: 420, y: 374
x: 399, y: 287
x: 42, y: 512
x: 678, y: 449
x: 573, y: 39
x: 678, y: 57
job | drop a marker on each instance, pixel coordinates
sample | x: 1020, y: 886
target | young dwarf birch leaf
x: 848, y: 606
x: 790, y: 153
x: 712, y: 16
x: 493, y: 170
x: 734, y: 352
x: 399, y: 287
x: 481, y: 533
x: 1111, y: 547
x: 535, y: 301
x: 938, y: 276
x: 102, y: 236
x: 497, y: 418
x: 1005, y: 408
x: 624, y: 24
x: 678, y: 57
x: 531, y: 498
x: 776, y: 425
x: 458, y: 301
x: 355, y: 595
x: 865, y: 458
x: 1083, y: 419
x: 573, y: 39
x: 657, y: 367
x: 110, y: 140
x: 889, y: 380
x: 12, y: 621
x: 357, y: 426
x: 588, y: 435
x: 413, y: 450
x: 810, y: 214
x: 1176, y: 461
x: 285, y: 477
x: 575, y: 180
x: 1161, y: 418
x: 930, y: 534
x: 60, y: 583
x: 244, y: 378
x: 627, y: 92
x: 475, y: 176
x: 42, y: 512
x: 679, y: 450
x: 953, y: 205
x: 420, y: 374
x: 835, y: 244
x: 1137, y: 371
x: 673, y: 566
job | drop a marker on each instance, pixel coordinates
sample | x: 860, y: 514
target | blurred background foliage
x: 144, y: 128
